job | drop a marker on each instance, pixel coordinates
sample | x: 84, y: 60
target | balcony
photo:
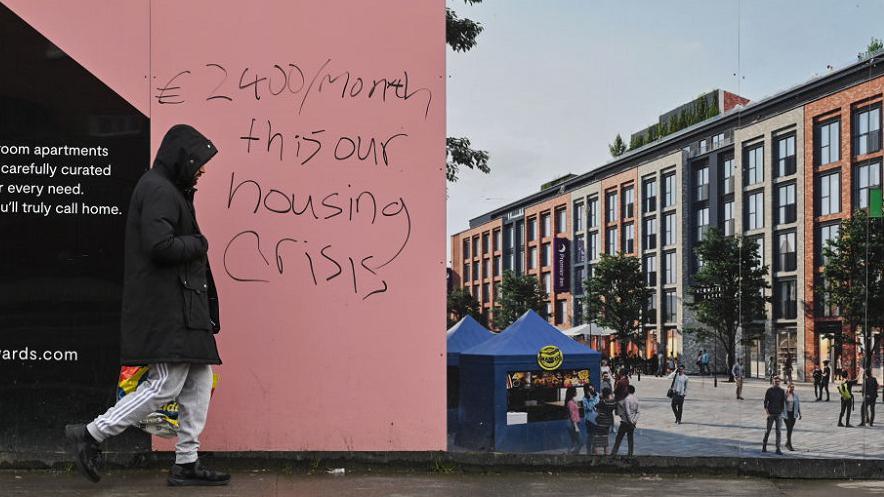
x: 696, y: 149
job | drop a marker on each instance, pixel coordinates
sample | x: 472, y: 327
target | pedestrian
x: 621, y: 386
x: 167, y: 321
x: 705, y: 361
x: 793, y: 413
x: 573, y: 419
x: 771, y: 369
x: 699, y: 362
x: 604, y: 421
x: 817, y: 382
x: 628, y: 421
x: 590, y: 414
x: 787, y: 368
x: 607, y: 382
x: 605, y: 368
x: 661, y: 364
x: 845, y: 391
x: 827, y: 378
x: 678, y: 390
x: 739, y: 373
x: 870, y: 397
x: 774, y: 407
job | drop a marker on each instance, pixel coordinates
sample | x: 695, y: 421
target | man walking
x: 169, y: 312
x: 705, y: 360
x: 739, y: 374
x: 827, y: 378
x: 628, y: 420
x: 679, y: 391
x: 774, y: 406
x: 845, y: 391
x: 870, y: 397
x: 817, y: 382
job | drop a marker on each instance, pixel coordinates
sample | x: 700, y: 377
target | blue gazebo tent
x: 487, y: 386
x: 465, y: 334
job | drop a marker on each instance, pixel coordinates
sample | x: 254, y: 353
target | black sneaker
x: 189, y: 475
x: 85, y: 451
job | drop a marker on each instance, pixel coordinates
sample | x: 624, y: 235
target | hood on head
x: 182, y: 153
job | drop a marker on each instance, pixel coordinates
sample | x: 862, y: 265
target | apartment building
x: 783, y: 171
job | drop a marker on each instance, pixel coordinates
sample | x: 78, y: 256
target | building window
x: 532, y: 229
x: 579, y: 278
x: 786, y: 208
x: 669, y: 190
x: 651, y: 270
x: 650, y: 312
x: 669, y: 306
x: 650, y: 233
x: 547, y: 282
x: 650, y: 194
x: 466, y: 248
x: 486, y: 242
x: 561, y: 309
x: 611, y: 215
x: 755, y: 165
x: 727, y: 175
x: 702, y: 146
x: 830, y: 194
x: 787, y: 258
x: 787, y: 299
x: 669, y: 268
x: 702, y: 223
x: 629, y: 238
x: 828, y: 140
x: 868, y: 176
x: 476, y: 271
x: 508, y: 249
x: 729, y: 223
x: 532, y: 257
x: 545, y: 255
x: 545, y: 225
x: 755, y: 210
x: 466, y: 272
x: 702, y: 191
x: 497, y: 265
x: 578, y: 217
x: 867, y: 130
x: 592, y: 208
x: 486, y: 292
x: 827, y: 233
x: 611, y: 236
x: 579, y: 249
x: 561, y: 220
x: 786, y: 164
x: 717, y: 140
x: 628, y: 202
x: 549, y: 314
x: 485, y: 264
x: 593, y: 245
x: 668, y: 230
x: 826, y: 307
x: 476, y: 246
x: 496, y: 243
x: 759, y: 249
x: 578, y: 312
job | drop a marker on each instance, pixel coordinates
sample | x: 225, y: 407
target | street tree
x: 618, y: 147
x: 616, y: 296
x: 518, y: 294
x: 728, y: 292
x: 853, y: 279
x: 461, y: 35
x: 462, y: 303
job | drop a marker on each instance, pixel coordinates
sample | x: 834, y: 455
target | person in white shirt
x: 739, y: 373
x: 628, y: 421
x: 679, y: 389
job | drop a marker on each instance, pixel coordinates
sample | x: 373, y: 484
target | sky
x: 551, y: 82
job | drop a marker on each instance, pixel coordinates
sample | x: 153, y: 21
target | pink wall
x: 321, y: 359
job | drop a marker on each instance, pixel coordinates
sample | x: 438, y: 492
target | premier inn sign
x: 561, y: 265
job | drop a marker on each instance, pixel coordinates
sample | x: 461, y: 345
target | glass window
x: 650, y: 191
x: 755, y: 211
x: 547, y: 282
x: 466, y: 248
x: 867, y: 130
x: 466, y: 272
x: 702, y: 223
x: 867, y: 176
x: 611, y: 236
x: 650, y: 233
x: 669, y: 229
x: 629, y: 238
x: 702, y: 191
x: 669, y: 190
x: 486, y: 292
x: 828, y: 140
x: 755, y: 165
x: 830, y: 194
x: 485, y: 264
x: 486, y: 242
x: 497, y: 265
x: 532, y: 257
x: 827, y: 233
x: 593, y: 212
x: 759, y: 252
x: 786, y: 252
x: 561, y: 220
x: 546, y: 228
x: 532, y: 229
x: 579, y: 278
x: 578, y: 216
x: 787, y: 299
x: 545, y: 255
x: 628, y: 202
x: 718, y: 140
x: 476, y: 246
x: 669, y: 268
x: 650, y: 311
x: 579, y: 249
x: 549, y: 314
x: 727, y: 174
x: 476, y: 271
x: 561, y: 309
x: 826, y: 308
x: 729, y: 228
x: 611, y: 215
x: 669, y: 306
x: 496, y: 240
x: 578, y: 312
x: 593, y: 245
x: 785, y: 149
x: 786, y: 208
x: 650, y: 267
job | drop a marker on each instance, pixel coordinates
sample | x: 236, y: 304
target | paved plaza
x: 715, y: 423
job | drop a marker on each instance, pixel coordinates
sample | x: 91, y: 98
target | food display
x: 548, y: 379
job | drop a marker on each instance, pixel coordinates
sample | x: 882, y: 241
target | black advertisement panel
x: 561, y: 265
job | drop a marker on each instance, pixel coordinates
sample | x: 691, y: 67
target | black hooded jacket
x: 167, y: 290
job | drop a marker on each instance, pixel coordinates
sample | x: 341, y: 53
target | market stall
x: 465, y: 334
x: 513, y: 386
